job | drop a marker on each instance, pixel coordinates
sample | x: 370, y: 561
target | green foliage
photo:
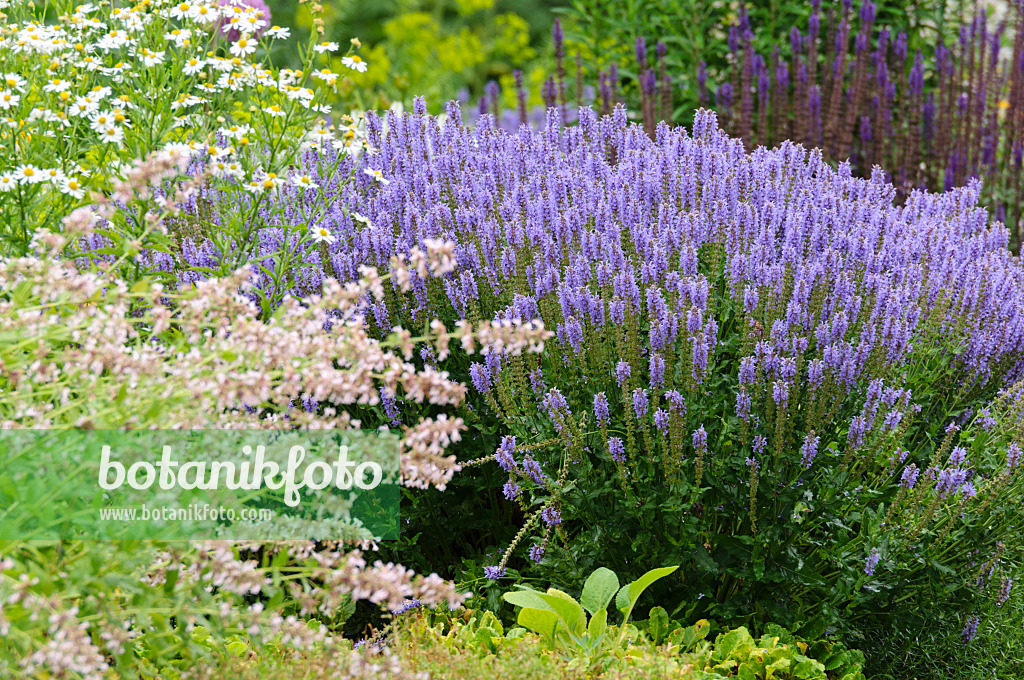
x: 560, y: 620
x: 778, y: 654
x: 434, y: 48
x: 696, y: 31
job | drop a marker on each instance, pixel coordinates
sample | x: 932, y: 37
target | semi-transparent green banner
x: 243, y: 485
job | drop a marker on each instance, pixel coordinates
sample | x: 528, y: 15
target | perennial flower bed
x: 762, y: 365
x: 604, y: 345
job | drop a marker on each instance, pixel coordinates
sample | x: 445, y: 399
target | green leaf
x: 527, y: 597
x: 736, y: 644
x: 630, y: 593
x: 776, y: 665
x: 688, y: 637
x: 540, y: 621
x: 568, y: 609
x: 809, y: 669
x: 598, y: 624
x: 599, y: 590
x: 658, y: 627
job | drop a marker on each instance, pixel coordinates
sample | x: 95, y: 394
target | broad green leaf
x: 630, y: 593
x: 567, y: 608
x: 598, y: 624
x: 527, y: 597
x: 747, y: 671
x: 599, y: 590
x: 773, y: 667
x: 809, y: 669
x: 736, y: 644
x: 515, y: 634
x: 540, y: 621
x: 659, y: 623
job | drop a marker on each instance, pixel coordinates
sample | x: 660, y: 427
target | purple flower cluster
x: 642, y: 254
x: 556, y: 191
x: 871, y: 562
x: 494, y: 572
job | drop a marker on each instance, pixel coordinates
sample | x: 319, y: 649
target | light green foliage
x: 560, y: 620
x: 435, y: 48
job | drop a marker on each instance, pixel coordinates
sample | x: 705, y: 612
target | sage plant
x: 755, y: 361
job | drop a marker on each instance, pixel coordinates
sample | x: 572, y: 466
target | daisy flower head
x: 323, y: 235
x: 72, y: 187
x: 9, y: 99
x: 193, y: 66
x: 181, y: 11
x: 205, y: 14
x: 150, y: 58
x: 362, y: 219
x: 178, y: 36
x: 278, y: 32
x: 304, y: 181
x: 377, y: 175
x: 243, y: 46
x: 326, y: 75
x: 264, y: 181
x: 236, y: 131
x: 112, y: 134
x: 56, y: 85
x: 7, y: 181
x: 101, y: 120
x: 273, y: 110
x: 326, y: 47
x: 355, y: 62
x: 14, y: 81
x: 29, y: 174
x: 53, y: 175
x: 225, y: 169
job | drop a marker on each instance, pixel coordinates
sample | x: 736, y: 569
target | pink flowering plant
x: 82, y: 347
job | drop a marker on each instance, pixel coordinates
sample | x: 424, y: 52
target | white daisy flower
x: 326, y: 75
x: 273, y: 110
x: 193, y: 66
x: 7, y: 181
x: 326, y: 47
x: 181, y: 10
x: 361, y: 218
x: 243, y: 46
x: 29, y: 174
x: 56, y: 85
x: 14, y: 81
x: 322, y: 235
x: 355, y: 63
x: 53, y: 175
x: 72, y: 187
x: 112, y: 135
x: 236, y: 131
x: 8, y: 100
x: 150, y: 59
x: 101, y: 120
x: 304, y: 181
x: 377, y: 175
x: 277, y: 32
